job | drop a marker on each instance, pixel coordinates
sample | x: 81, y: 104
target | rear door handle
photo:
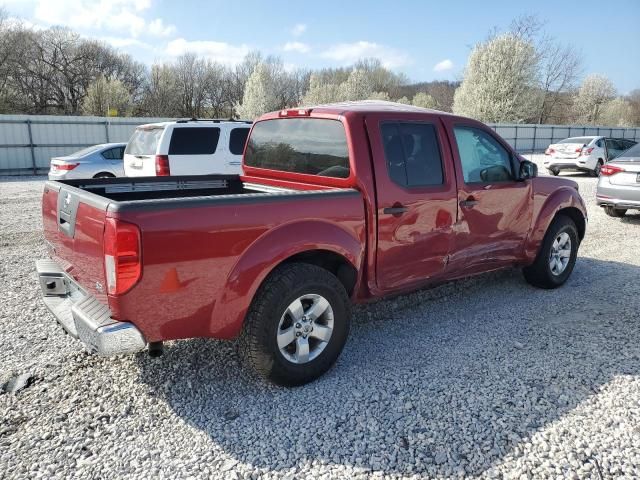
x: 395, y: 210
x: 468, y: 203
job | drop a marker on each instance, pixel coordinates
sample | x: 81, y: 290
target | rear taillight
x: 608, y: 170
x: 549, y: 151
x: 585, y: 151
x: 64, y: 166
x: 122, y: 255
x: 162, y: 166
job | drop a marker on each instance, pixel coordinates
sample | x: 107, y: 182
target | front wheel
x: 297, y: 324
x: 557, y: 255
x: 554, y: 171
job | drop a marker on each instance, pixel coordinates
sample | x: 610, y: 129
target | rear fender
x: 564, y: 197
x: 265, y: 254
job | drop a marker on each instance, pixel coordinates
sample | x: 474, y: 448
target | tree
x: 357, y: 87
x: 423, y: 100
x: 161, y: 95
x: 320, y: 92
x: 260, y: 94
x: 617, y: 113
x: 384, y: 96
x: 595, y: 91
x: 105, y: 95
x: 403, y: 100
x: 499, y: 81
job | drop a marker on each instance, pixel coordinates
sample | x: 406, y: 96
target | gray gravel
x: 480, y: 378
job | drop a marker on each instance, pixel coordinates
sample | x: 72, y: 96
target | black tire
x: 615, y: 212
x: 554, y: 171
x: 596, y: 171
x: 539, y: 273
x: 104, y: 175
x: 258, y: 342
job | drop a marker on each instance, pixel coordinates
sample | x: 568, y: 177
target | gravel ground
x: 486, y: 377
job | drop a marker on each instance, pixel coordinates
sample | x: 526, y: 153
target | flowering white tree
x: 320, y: 92
x: 380, y: 96
x: 499, y: 82
x: 260, y: 94
x: 357, y: 87
x: 424, y: 100
x: 595, y: 91
x: 617, y: 113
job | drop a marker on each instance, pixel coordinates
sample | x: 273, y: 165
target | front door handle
x: 469, y: 203
x: 396, y: 210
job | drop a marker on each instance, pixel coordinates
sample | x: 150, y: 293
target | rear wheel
x: 297, y: 324
x: 104, y: 175
x: 615, y: 212
x: 557, y: 255
x: 554, y: 171
x: 596, y: 171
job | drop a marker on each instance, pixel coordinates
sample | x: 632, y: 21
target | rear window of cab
x: 311, y: 146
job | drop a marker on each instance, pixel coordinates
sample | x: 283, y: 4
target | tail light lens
x: 64, y: 166
x: 122, y: 255
x: 608, y: 170
x: 586, y: 151
x: 162, y: 166
x: 549, y: 151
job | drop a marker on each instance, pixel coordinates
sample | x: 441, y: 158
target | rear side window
x: 113, y: 153
x: 237, y: 139
x: 313, y: 146
x: 194, y: 141
x: 412, y: 154
x: 144, y: 141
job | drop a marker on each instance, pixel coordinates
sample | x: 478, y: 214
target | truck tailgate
x: 74, y: 228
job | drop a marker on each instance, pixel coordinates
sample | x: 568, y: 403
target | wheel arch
x: 564, y: 201
x: 323, y: 244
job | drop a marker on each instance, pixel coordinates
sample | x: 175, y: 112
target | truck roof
x: 371, y: 106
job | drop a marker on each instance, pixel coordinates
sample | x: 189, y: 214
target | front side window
x: 311, y: 146
x: 483, y: 158
x: 412, y: 153
x: 194, y: 141
x: 237, y: 139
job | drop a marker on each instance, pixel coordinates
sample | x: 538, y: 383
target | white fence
x: 27, y: 142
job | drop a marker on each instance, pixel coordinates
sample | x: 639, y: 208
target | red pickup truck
x: 338, y: 204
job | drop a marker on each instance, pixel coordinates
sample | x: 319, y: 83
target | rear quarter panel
x: 203, y: 264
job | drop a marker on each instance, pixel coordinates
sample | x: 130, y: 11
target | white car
x: 98, y: 161
x: 586, y: 154
x: 186, y: 147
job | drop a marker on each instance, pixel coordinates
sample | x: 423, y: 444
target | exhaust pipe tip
x: 156, y: 349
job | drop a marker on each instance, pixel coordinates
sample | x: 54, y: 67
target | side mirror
x: 527, y: 170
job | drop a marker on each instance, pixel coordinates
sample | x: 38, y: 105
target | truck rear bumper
x: 84, y: 317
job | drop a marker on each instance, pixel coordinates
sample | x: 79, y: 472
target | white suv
x: 586, y: 154
x: 186, y: 147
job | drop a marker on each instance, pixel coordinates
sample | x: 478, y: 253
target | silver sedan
x: 98, y: 161
x: 619, y: 183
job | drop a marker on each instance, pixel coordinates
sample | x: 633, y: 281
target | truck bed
x: 197, y: 235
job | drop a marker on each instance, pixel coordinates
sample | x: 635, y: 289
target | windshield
x: 313, y: 146
x: 144, y: 141
x: 632, y: 152
x: 580, y: 140
x: 85, y: 151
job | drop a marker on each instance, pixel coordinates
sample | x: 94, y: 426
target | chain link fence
x: 28, y: 142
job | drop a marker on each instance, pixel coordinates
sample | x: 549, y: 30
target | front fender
x: 266, y: 253
x: 560, y: 198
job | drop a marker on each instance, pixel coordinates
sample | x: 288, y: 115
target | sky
x: 426, y: 40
